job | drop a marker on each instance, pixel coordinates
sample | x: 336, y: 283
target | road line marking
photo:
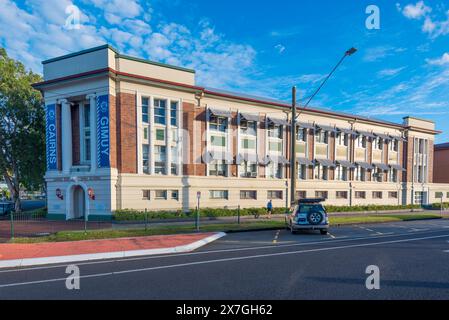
x: 331, y: 235
x: 267, y: 247
x: 98, y: 275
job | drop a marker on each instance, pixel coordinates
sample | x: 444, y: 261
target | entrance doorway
x: 79, y: 202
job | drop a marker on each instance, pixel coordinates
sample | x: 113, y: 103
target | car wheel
x: 324, y: 232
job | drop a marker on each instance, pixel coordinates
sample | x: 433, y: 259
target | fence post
x: 12, y: 225
x: 441, y: 207
x: 238, y: 214
x: 146, y: 219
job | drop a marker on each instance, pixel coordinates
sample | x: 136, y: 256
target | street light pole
x: 293, y: 149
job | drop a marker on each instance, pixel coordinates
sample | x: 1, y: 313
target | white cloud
x: 380, y: 52
x: 429, y: 26
x: 280, y: 48
x: 439, y: 61
x: 390, y: 72
x: 416, y: 11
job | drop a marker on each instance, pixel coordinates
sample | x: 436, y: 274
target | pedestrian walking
x: 269, y: 208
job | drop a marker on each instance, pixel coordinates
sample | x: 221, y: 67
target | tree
x: 22, y: 128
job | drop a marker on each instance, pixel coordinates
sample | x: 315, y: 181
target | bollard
x: 12, y: 225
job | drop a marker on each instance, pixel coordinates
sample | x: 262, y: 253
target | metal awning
x: 347, y: 131
x: 346, y: 164
x: 383, y: 136
x: 305, y: 125
x: 211, y: 156
x: 365, y: 165
x: 248, y: 157
x: 304, y: 161
x: 398, y: 138
x: 279, y: 122
x: 250, y: 117
x: 326, y: 162
x: 325, y: 128
x: 382, y: 166
x: 220, y: 113
x: 397, y: 167
x: 366, y: 134
x: 277, y: 159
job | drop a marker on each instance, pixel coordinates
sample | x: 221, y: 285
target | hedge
x: 136, y: 215
x: 438, y: 205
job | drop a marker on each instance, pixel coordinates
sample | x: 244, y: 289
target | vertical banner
x: 103, y: 143
x: 51, y: 143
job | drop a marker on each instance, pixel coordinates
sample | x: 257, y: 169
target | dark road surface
x: 413, y: 258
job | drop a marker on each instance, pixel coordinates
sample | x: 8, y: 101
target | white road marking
x: 267, y: 247
x: 98, y: 275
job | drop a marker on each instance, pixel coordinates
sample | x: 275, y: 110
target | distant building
x: 441, y: 163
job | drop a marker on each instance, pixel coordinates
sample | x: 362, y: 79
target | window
x: 360, y: 195
x: 218, y: 141
x: 447, y: 195
x: 274, y: 170
x: 275, y: 131
x: 393, y: 175
x: 360, y: 174
x: 341, y: 173
x: 174, y: 113
x: 322, y: 136
x: 145, y: 158
x: 302, y: 172
x: 174, y: 194
x: 394, y: 145
x: 85, y: 133
x: 321, y: 194
x: 393, y: 194
x: 248, y: 144
x: 438, y: 195
x: 248, y: 195
x: 342, y: 139
x: 145, y: 133
x: 146, y: 194
x: 248, y: 169
x: 145, y: 107
x: 174, y: 160
x: 361, y: 142
x: 219, y: 124
x: 377, y: 194
x: 342, y: 194
x: 321, y: 173
x: 160, y: 195
x: 301, y: 134
x: 160, y: 111
x: 378, y: 144
x: 218, y: 194
x: 248, y: 127
x: 160, y: 159
x: 378, y: 175
x: 301, y: 194
x: 275, y: 146
x: 274, y: 195
x: 218, y: 168
x: 160, y: 134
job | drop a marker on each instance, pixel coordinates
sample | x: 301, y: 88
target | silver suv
x: 308, y: 214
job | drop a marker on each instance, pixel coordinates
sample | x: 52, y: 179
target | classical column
x: 66, y: 133
x: 93, y: 131
x: 168, y: 136
x: 151, y: 136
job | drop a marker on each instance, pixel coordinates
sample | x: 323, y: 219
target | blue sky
x: 263, y: 48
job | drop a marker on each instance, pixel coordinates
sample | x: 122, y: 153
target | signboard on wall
x: 103, y: 142
x: 51, y: 143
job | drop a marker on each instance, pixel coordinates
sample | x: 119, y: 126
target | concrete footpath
x: 20, y: 255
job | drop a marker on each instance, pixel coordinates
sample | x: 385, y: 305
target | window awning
x: 325, y: 162
x: 366, y: 134
x: 397, y: 167
x: 398, y: 138
x: 346, y: 164
x: 306, y: 125
x: 250, y: 117
x: 304, y: 161
x: 382, y: 166
x: 325, y: 128
x: 211, y: 156
x: 383, y: 136
x: 220, y: 113
x: 279, y: 122
x: 277, y: 159
x: 365, y: 165
x: 248, y: 157
x: 347, y: 131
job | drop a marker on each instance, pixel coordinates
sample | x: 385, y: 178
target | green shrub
x: 335, y: 209
x: 438, y: 205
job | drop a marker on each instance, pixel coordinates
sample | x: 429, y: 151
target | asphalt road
x: 413, y: 259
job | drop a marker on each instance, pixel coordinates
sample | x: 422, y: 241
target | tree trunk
x: 14, y: 191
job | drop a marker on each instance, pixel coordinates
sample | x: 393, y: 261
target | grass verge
x: 166, y: 230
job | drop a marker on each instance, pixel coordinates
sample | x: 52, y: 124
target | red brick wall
x: 191, y: 115
x: 75, y: 120
x: 126, y: 133
x: 408, y: 158
x: 430, y: 160
x: 441, y: 166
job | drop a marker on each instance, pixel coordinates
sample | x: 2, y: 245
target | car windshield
x: 307, y: 208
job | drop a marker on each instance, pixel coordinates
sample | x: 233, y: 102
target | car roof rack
x: 311, y: 200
